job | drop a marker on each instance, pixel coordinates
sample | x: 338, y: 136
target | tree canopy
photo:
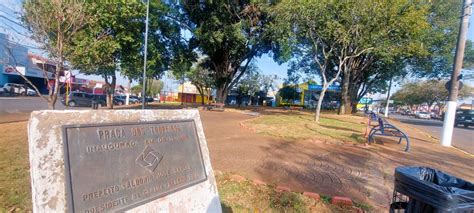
x: 230, y: 34
x: 427, y: 92
x: 113, y: 41
x: 54, y: 25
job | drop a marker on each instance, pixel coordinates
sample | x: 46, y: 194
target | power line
x: 12, y: 21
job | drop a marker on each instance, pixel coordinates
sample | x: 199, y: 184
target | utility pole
x: 144, y: 54
x: 388, y: 98
x: 450, y: 114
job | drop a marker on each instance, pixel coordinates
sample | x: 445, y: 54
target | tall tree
x: 429, y: 92
x: 201, y: 77
x: 318, y: 39
x: 154, y: 87
x: 230, y: 34
x: 249, y: 85
x: 54, y: 24
x: 118, y: 31
x: 439, y: 40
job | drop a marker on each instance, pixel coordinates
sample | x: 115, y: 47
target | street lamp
x: 145, y: 52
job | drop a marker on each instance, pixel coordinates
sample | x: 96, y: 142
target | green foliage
x: 250, y: 83
x: 288, y: 200
x: 229, y: 34
x: 289, y: 93
x: 54, y: 25
x: 427, y: 92
x: 468, y: 56
x: 154, y: 87
x: 114, y: 39
x: 439, y: 39
x: 137, y: 89
x: 201, y: 77
x: 360, y: 38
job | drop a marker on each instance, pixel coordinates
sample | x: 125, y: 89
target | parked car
x: 131, y: 100
x: 118, y: 100
x: 434, y: 115
x: 149, y: 99
x: 18, y: 89
x: 423, y: 115
x: 83, y: 99
x: 464, y: 117
x: 135, y: 99
x: 406, y: 112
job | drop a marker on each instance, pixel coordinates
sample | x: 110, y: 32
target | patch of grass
x: 325, y: 199
x: 15, y: 190
x: 246, y: 197
x: 302, y: 126
x: 363, y: 206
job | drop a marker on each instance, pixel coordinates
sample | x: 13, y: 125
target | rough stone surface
x: 313, y: 195
x: 341, y: 201
x: 47, y: 161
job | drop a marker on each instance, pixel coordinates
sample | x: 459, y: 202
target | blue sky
x: 8, y: 8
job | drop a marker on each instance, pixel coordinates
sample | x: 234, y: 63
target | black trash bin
x: 431, y: 190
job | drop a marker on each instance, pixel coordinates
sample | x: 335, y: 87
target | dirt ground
x: 356, y: 171
x: 362, y: 173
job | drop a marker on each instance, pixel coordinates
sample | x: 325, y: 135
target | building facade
x: 16, y: 61
x: 308, y: 95
x: 188, y: 93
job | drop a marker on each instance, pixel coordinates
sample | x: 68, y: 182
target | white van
x: 18, y: 89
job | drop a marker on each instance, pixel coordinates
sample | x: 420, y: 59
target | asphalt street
x: 27, y: 104
x: 463, y: 138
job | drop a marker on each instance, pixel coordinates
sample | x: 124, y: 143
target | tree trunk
x: 201, y: 93
x: 208, y: 96
x: 54, y: 92
x: 50, y: 105
x: 354, y: 99
x: 221, y: 94
x: 345, y: 97
x: 320, y: 102
x: 354, y: 107
x: 110, y: 90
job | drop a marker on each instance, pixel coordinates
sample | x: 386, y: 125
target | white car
x: 18, y: 89
x: 423, y: 115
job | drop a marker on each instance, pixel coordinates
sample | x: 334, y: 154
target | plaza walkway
x: 362, y: 173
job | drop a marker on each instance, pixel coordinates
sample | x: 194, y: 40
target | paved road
x: 26, y: 104
x: 463, y: 138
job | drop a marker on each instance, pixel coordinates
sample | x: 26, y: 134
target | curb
x: 344, y: 201
x: 283, y: 189
x: 258, y: 182
x: 336, y: 200
x: 313, y: 195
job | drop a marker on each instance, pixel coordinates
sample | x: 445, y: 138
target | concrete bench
x: 386, y: 129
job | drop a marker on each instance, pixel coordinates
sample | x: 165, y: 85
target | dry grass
x: 247, y: 197
x: 301, y: 125
x: 15, y: 191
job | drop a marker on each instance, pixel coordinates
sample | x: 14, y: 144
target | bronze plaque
x: 114, y: 167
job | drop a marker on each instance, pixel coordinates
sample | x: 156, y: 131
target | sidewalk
x: 363, y: 174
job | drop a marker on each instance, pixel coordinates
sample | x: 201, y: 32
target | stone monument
x: 120, y: 160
